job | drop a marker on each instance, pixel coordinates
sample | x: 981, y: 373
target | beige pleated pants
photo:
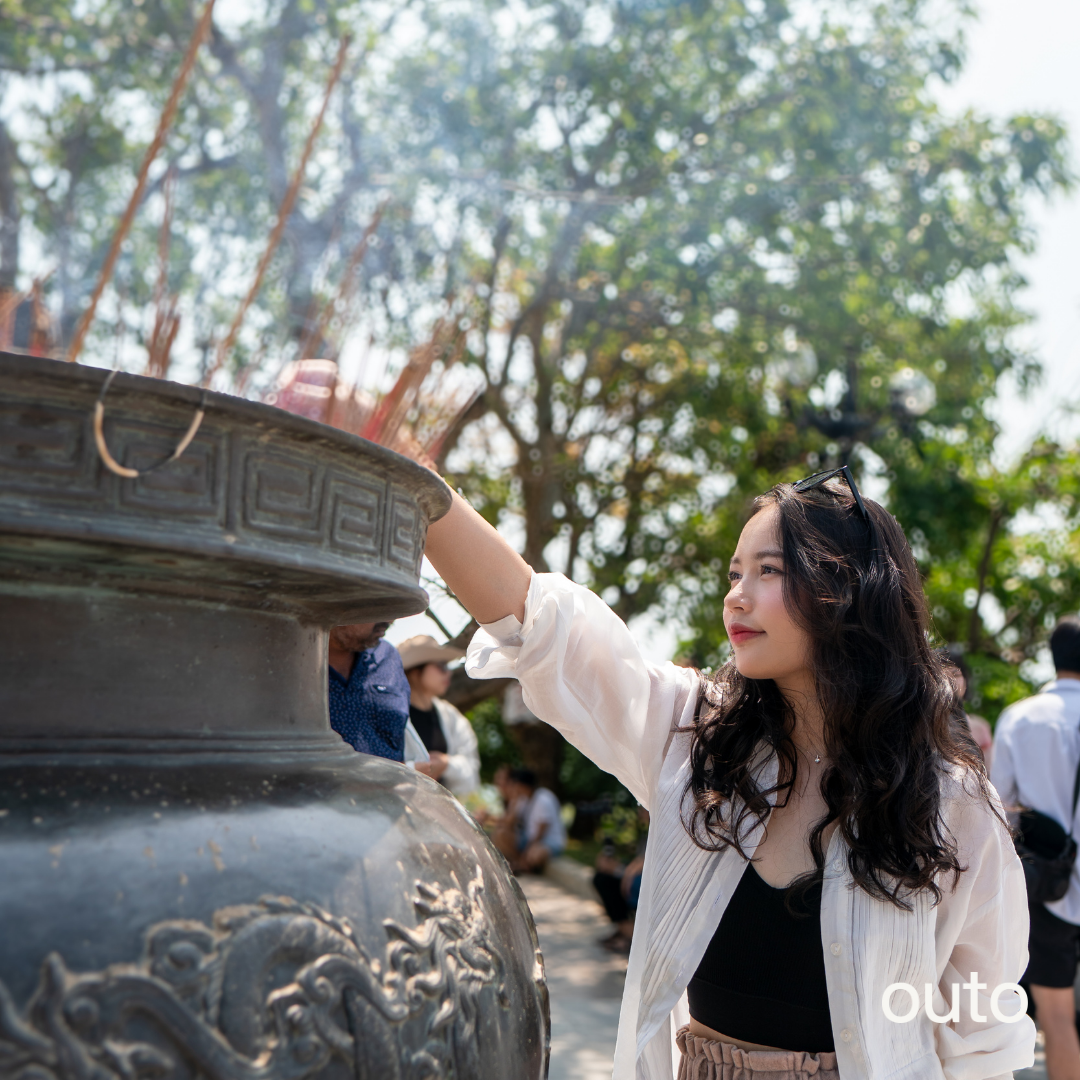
x: 707, y: 1059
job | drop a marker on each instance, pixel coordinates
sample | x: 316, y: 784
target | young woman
x: 822, y: 829
x: 447, y: 736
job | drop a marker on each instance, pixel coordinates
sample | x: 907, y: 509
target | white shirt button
x: 845, y: 1035
x: 835, y: 949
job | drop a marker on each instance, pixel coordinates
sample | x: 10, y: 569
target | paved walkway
x: 1038, y: 1072
x: 585, y: 980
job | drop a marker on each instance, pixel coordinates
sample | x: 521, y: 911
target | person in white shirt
x: 820, y: 770
x: 453, y: 756
x: 1036, y: 753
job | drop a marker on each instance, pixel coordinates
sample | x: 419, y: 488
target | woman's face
x: 767, y: 642
x: 435, y: 679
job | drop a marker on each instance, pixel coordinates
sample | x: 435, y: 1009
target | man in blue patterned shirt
x: 369, y: 694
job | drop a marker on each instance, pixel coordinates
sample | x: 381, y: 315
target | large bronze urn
x: 198, y: 879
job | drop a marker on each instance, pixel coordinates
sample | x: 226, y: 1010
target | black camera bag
x: 1047, y: 852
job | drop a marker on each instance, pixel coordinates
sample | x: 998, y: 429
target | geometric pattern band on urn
x: 255, y: 489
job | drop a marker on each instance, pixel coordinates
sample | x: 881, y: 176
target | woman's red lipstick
x: 737, y: 633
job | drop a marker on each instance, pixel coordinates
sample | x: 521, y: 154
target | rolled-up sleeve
x: 982, y: 933
x: 582, y: 672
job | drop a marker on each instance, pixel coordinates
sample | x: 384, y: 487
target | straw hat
x: 424, y: 649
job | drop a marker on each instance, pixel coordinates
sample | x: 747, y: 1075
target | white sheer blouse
x: 581, y: 671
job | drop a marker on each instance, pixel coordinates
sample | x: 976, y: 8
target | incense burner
x: 200, y: 879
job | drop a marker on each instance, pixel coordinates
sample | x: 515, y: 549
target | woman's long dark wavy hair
x: 892, y: 723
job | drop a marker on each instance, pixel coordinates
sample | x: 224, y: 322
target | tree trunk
x: 538, y: 517
x: 466, y: 693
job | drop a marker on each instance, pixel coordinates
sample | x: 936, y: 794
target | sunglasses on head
x: 821, y: 478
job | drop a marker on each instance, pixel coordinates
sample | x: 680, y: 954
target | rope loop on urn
x: 122, y: 470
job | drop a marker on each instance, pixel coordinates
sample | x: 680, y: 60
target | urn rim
x: 264, y: 509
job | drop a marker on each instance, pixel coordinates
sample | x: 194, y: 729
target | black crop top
x: 762, y: 978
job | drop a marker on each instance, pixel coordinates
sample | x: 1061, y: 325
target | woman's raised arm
x: 482, y: 570
x: 579, y: 667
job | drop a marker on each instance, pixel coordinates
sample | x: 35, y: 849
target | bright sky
x: 1025, y: 58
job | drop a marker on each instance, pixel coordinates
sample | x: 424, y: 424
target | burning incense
x: 393, y: 409
x: 416, y: 416
x: 10, y: 304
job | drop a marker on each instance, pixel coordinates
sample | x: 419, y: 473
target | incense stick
x: 164, y: 124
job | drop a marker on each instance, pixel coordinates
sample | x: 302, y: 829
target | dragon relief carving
x: 277, y: 990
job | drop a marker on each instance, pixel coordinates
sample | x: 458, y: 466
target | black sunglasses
x: 818, y: 479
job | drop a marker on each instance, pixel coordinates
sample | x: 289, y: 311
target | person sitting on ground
x: 504, y: 822
x: 532, y: 831
x: 444, y: 731
x: 619, y: 887
x: 368, y: 691
x: 505, y: 830
x: 508, y: 791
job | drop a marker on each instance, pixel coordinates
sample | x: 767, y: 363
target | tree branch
x: 9, y: 212
x: 975, y: 623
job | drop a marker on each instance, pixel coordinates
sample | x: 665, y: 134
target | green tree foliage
x: 771, y: 253
x: 697, y: 247
x: 1001, y: 586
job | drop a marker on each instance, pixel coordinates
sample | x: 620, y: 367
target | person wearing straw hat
x: 447, y: 735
